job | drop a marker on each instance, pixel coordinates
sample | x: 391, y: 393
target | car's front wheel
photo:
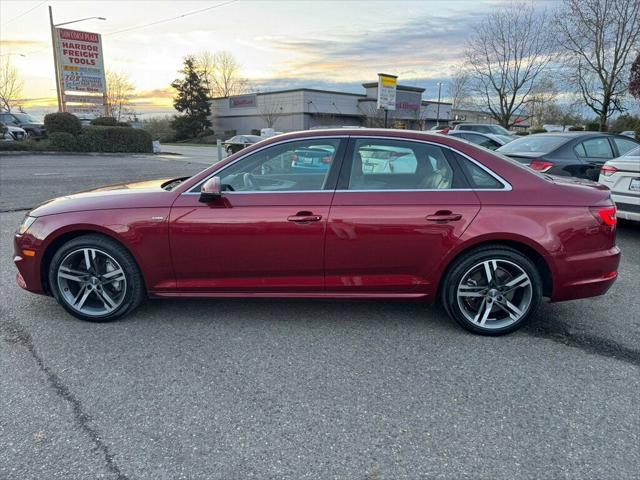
x: 95, y: 279
x: 492, y: 290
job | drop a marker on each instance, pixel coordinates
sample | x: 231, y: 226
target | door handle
x: 444, y: 216
x: 304, y: 217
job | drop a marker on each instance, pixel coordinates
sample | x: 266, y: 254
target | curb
x: 84, y: 154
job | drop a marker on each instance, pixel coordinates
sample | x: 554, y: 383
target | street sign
x: 80, y: 61
x: 387, y: 91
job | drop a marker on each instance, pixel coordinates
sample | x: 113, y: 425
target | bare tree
x: 120, y: 93
x: 506, y: 56
x: 459, y: 84
x: 221, y: 74
x: 374, y: 117
x: 566, y: 113
x: 634, y: 79
x: 543, y: 95
x: 10, y: 85
x: 270, y: 111
x: 598, y: 36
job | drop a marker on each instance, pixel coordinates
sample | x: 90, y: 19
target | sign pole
x: 56, y: 65
x: 386, y: 113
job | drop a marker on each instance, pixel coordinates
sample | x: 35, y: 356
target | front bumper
x: 28, y: 276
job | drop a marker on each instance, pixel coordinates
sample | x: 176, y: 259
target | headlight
x: 26, y: 223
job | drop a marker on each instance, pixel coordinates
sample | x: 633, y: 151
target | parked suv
x: 34, y: 128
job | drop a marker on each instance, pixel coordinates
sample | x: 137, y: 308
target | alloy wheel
x: 494, y: 294
x: 92, y: 282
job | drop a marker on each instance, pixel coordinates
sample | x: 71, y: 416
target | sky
x: 334, y: 45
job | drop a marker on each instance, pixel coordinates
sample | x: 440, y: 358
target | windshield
x: 632, y: 153
x: 534, y: 144
x: 23, y: 117
x: 505, y: 138
x: 498, y: 130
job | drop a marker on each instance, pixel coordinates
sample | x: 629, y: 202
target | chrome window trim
x: 507, y: 186
x: 282, y: 142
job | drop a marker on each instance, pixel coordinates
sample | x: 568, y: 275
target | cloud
x: 423, y: 46
x: 19, y: 44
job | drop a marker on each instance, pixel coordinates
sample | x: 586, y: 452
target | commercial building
x: 305, y: 108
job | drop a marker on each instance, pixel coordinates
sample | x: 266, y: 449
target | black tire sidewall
x: 465, y: 262
x: 134, y: 293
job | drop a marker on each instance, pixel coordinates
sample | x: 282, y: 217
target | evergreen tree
x: 192, y: 100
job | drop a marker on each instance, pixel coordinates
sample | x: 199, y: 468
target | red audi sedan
x: 386, y: 214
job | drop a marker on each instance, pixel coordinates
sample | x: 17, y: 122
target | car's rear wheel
x: 492, y: 290
x: 95, y: 279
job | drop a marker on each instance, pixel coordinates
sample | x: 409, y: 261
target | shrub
x: 575, y: 128
x: 160, y: 128
x: 62, y: 122
x: 522, y: 133
x: 594, y: 127
x: 105, y: 122
x: 537, y: 130
x: 638, y: 134
x: 15, y: 146
x: 62, y: 142
x: 115, y: 139
x: 255, y: 131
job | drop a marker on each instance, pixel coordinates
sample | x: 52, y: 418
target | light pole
x: 438, y: 107
x: 54, y: 44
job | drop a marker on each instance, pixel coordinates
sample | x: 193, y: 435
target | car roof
x: 573, y: 134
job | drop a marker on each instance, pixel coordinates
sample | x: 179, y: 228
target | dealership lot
x: 305, y: 389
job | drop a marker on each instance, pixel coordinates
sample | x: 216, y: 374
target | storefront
x: 306, y: 108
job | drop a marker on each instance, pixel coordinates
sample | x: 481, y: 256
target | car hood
x: 145, y: 194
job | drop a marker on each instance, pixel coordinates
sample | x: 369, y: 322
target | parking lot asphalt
x: 238, y: 389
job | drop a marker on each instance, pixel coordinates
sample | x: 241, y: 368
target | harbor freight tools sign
x: 80, y: 61
x: 387, y: 91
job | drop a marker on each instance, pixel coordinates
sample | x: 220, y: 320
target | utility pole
x: 438, y: 107
x: 56, y: 65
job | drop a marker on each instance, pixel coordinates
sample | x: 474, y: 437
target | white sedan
x: 622, y: 176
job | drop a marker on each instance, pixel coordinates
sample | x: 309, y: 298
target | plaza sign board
x: 86, y: 110
x: 387, y: 91
x: 80, y: 61
x: 92, y: 99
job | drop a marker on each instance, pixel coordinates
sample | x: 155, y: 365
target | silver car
x: 622, y: 176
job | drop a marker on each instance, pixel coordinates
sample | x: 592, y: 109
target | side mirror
x: 211, y: 190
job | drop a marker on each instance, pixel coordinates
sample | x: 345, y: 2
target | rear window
x: 538, y: 144
x: 633, y: 153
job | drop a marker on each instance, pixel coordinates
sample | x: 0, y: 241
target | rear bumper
x: 628, y: 206
x: 585, y: 275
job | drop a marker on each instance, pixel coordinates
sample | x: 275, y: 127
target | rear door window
x: 594, y: 148
x: 380, y: 164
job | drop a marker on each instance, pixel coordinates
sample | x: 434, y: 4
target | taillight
x: 608, y: 170
x: 605, y: 215
x: 541, y: 165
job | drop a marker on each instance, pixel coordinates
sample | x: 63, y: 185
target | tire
x: 495, y: 307
x: 109, y: 287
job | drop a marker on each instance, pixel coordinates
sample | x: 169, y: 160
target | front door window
x: 293, y: 166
